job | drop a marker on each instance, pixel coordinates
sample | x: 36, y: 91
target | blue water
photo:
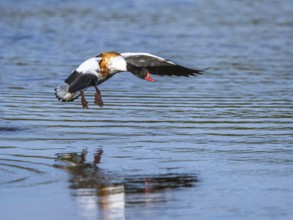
x: 217, y: 146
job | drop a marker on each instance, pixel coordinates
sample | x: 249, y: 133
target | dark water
x: 218, y: 146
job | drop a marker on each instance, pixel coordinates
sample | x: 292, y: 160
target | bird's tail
x: 64, y: 95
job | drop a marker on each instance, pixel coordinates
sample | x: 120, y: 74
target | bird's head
x: 142, y: 73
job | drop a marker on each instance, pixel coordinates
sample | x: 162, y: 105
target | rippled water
x: 216, y: 146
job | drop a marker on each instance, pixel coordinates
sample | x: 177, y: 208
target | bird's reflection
x: 91, y: 186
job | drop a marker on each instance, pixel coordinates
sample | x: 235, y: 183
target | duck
x: 96, y: 70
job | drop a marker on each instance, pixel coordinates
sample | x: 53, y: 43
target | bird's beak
x: 149, y: 78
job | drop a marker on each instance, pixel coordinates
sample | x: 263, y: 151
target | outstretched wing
x: 83, y: 81
x: 84, y: 76
x: 158, y: 65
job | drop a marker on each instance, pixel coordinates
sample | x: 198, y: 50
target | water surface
x: 216, y: 146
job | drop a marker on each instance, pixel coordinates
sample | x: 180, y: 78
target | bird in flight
x: 96, y: 70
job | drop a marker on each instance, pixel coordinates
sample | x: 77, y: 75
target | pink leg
x: 98, y: 98
x: 83, y: 100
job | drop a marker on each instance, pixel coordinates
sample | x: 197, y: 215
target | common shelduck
x: 96, y: 70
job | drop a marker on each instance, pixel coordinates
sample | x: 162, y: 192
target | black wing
x: 159, y: 66
x: 73, y: 76
x: 82, y: 81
